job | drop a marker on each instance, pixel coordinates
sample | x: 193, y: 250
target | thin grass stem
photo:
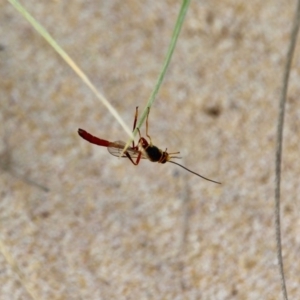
x: 278, y: 157
x: 43, y: 32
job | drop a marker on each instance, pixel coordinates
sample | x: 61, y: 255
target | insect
x: 143, y: 150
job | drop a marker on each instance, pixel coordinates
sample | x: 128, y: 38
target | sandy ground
x: 109, y: 230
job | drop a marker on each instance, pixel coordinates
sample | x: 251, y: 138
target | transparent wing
x: 116, y: 148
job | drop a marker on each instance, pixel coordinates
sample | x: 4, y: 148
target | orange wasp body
x: 143, y: 149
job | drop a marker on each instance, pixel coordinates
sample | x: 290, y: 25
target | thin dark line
x: 173, y: 162
x: 278, y: 156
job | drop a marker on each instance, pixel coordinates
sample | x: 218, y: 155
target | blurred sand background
x: 109, y: 230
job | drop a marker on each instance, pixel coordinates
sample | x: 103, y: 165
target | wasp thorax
x: 155, y: 154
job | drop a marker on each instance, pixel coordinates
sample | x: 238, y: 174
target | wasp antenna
x: 173, y: 162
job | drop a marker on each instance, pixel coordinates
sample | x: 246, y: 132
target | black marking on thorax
x: 154, y: 153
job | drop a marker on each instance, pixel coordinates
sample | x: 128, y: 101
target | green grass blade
x: 175, y: 35
x: 42, y: 31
